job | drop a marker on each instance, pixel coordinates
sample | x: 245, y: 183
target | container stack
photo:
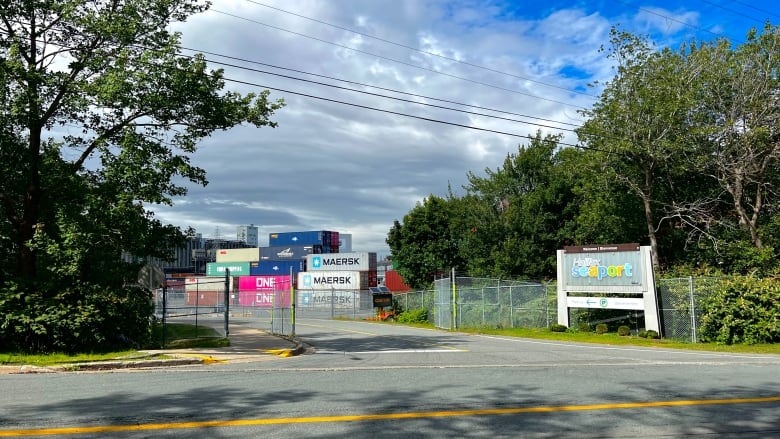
x: 261, y: 275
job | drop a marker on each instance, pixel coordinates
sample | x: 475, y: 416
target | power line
x: 525, y: 78
x: 398, y: 61
x: 380, y: 88
x: 397, y: 113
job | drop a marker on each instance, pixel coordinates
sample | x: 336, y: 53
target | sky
x: 354, y: 149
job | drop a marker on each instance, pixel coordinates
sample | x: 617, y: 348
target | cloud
x: 356, y: 168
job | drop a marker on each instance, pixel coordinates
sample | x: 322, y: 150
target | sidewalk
x: 246, y: 345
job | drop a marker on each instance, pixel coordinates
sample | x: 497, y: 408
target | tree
x: 639, y: 124
x: 99, y: 112
x: 425, y: 244
x: 738, y: 120
x: 534, y: 208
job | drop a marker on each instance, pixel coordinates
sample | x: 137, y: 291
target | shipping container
x: 276, y: 267
x: 236, y: 268
x: 321, y: 280
x: 296, y: 238
x: 238, y: 254
x: 264, y: 291
x: 334, y: 239
x: 289, y: 252
x: 207, y: 290
x: 361, y: 261
x: 339, y: 280
x: 208, y: 283
x: 345, y: 242
x: 349, y: 299
x: 394, y: 282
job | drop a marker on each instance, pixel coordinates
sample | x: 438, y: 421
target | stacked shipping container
x: 263, y: 272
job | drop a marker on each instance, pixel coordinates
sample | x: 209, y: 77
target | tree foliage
x: 680, y: 152
x: 99, y: 114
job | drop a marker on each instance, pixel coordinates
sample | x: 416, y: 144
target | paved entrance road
x: 374, y: 380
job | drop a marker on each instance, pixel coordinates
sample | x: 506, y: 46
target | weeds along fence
x: 499, y: 303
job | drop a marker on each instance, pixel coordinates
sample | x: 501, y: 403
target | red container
x: 394, y: 282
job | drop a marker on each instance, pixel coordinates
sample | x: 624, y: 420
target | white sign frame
x: 647, y: 303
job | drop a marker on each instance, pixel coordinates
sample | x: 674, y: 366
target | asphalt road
x: 374, y: 380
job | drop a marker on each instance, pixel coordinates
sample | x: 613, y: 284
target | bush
x: 652, y: 334
x: 624, y: 331
x: 742, y: 310
x: 584, y: 327
x: 557, y: 327
x: 414, y: 316
x: 82, y: 318
x: 642, y: 334
x: 602, y: 328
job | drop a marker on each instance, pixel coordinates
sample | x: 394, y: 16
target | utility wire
x: 525, y: 78
x: 366, y: 107
x: 379, y: 88
x: 568, y: 104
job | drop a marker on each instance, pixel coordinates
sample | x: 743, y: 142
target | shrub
x: 82, y: 318
x: 642, y: 334
x: 624, y: 331
x: 601, y: 328
x: 584, y: 327
x: 414, y: 316
x: 742, y: 310
x: 557, y: 327
x: 652, y: 334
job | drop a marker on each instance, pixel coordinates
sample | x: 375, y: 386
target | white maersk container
x: 330, y: 280
x: 251, y: 254
x: 341, y: 262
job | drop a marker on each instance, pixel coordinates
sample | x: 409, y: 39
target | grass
x: 612, y: 338
x: 182, y: 336
x: 177, y: 336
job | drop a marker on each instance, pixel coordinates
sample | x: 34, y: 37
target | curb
x: 100, y: 365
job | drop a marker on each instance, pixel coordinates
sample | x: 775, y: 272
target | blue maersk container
x: 276, y: 267
x: 312, y: 237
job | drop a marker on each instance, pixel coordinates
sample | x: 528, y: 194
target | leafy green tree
x: 99, y: 113
x: 534, y: 208
x: 639, y: 124
x: 426, y: 243
x: 738, y: 122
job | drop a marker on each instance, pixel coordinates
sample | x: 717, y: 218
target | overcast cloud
x: 332, y: 166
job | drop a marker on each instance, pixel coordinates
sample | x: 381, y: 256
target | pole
x: 292, y: 303
x: 454, y: 301
x: 227, y: 301
x: 164, y: 310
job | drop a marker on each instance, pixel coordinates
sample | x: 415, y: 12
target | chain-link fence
x: 516, y: 304
x: 482, y: 302
x: 479, y: 303
x: 679, y: 303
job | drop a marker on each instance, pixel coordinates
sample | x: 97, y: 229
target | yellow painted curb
x: 207, y: 359
x: 281, y: 352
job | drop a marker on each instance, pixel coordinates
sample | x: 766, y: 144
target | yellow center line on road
x: 377, y: 417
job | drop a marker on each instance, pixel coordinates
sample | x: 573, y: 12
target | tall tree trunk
x: 646, y: 199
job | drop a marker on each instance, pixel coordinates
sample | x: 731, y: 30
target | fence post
x: 227, y: 300
x: 164, y: 310
x: 693, y: 309
x: 292, y: 304
x: 454, y: 324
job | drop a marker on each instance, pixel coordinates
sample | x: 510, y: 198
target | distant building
x: 250, y: 235
x: 345, y: 243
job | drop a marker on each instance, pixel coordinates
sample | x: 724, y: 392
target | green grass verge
x: 177, y: 336
x: 612, y: 338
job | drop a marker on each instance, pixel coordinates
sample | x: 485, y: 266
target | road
x: 374, y: 380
